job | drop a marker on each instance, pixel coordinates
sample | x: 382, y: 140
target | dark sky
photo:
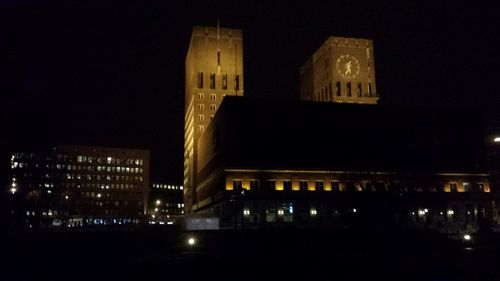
x: 110, y: 73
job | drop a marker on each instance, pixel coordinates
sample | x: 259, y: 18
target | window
x: 254, y: 184
x: 237, y: 184
x: 213, y: 107
x: 359, y: 90
x: 369, y: 89
x: 237, y: 83
x: 201, y: 117
x: 211, y: 116
x: 212, y: 81
x: 349, y: 186
x: 201, y: 96
x: 200, y: 80
x: 218, y: 57
x: 201, y: 128
x: 330, y: 91
x: 480, y: 187
x: 224, y: 81
x: 467, y: 187
x: 349, y: 93
x: 303, y: 185
x: 271, y: 185
x: 335, y: 186
x: 453, y: 187
x: 320, y: 186
x: 213, y: 97
x: 201, y: 106
x: 338, y: 89
x: 287, y: 185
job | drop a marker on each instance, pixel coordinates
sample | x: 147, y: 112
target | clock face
x: 348, y: 66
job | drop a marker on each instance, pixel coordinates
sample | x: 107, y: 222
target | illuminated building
x: 341, y: 70
x: 214, y: 69
x: 335, y: 165
x: 75, y: 186
x: 166, y: 204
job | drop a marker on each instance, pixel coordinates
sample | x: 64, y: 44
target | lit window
x: 109, y: 159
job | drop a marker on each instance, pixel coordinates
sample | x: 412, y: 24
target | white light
x: 246, y: 212
x: 354, y: 210
x: 13, y: 184
x: 153, y: 216
x: 426, y: 210
x: 170, y: 222
x: 421, y: 212
x: 156, y: 209
x: 467, y: 237
x: 158, y: 202
x: 66, y: 197
x: 450, y: 212
x: 280, y: 212
x: 496, y: 139
x: 313, y: 212
x: 13, y: 190
x: 99, y: 195
x: 191, y: 241
x: 49, y: 191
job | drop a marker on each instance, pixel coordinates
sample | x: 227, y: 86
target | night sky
x: 112, y: 74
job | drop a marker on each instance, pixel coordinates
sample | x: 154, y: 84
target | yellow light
x: 279, y: 185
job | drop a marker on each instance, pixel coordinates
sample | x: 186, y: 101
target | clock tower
x: 341, y: 70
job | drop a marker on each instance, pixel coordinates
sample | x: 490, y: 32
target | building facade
x: 166, y: 205
x: 341, y: 70
x: 214, y: 69
x: 73, y: 186
x: 380, y: 167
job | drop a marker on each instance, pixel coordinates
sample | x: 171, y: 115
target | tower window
x: 330, y: 91
x: 337, y: 89
x: 201, y: 96
x: 237, y: 83
x: 213, y: 97
x: 218, y: 57
x: 201, y: 117
x: 224, y: 81
x: 200, y: 80
x: 201, y: 128
x: 201, y: 106
x: 359, y: 90
x: 349, y: 93
x: 213, y: 107
x: 212, y: 81
x: 369, y: 89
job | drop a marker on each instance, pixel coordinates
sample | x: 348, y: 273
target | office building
x: 166, y: 205
x: 72, y: 186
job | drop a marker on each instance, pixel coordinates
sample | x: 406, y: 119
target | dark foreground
x: 163, y: 254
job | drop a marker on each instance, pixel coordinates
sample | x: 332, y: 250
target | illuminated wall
x: 214, y: 69
x: 341, y: 70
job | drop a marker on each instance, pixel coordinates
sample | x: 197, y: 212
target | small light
x: 191, y: 241
x: 467, y: 237
x: 158, y: 202
x: 246, y: 212
x: 496, y: 139
x: 450, y: 212
x: 66, y: 197
x: 156, y: 209
x: 280, y: 212
x: 13, y: 190
x: 99, y: 195
x: 426, y: 210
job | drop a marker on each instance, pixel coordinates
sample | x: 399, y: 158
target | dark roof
x: 261, y: 133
